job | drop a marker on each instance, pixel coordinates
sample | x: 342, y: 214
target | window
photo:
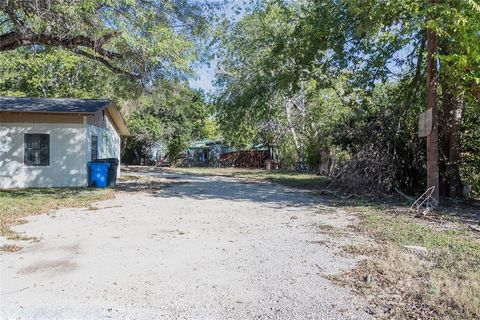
x: 37, y: 149
x: 94, y: 148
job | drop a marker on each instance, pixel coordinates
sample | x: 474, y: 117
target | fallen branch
x: 403, y: 194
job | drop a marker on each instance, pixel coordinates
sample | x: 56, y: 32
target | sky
x: 206, y: 73
x: 205, y: 77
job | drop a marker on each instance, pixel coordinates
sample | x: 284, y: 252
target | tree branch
x: 106, y: 63
x: 10, y: 41
x: 4, y: 21
x: 476, y: 91
x: 15, y: 39
x: 421, y: 51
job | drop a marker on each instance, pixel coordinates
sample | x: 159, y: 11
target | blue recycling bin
x: 98, y: 174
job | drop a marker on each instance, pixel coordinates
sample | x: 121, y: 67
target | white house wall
x: 67, y: 154
x: 70, y: 151
x: 108, y: 142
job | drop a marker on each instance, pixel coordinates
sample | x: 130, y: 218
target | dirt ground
x: 199, y: 248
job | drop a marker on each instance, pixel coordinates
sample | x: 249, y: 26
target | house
x: 48, y: 142
x: 206, y: 152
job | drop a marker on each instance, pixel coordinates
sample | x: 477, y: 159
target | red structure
x: 244, y: 159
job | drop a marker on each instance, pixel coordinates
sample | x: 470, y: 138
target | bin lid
x: 98, y: 164
x: 109, y: 160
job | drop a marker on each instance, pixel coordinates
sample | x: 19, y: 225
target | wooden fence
x: 244, y: 159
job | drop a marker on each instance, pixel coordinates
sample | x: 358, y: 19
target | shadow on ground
x: 204, y: 187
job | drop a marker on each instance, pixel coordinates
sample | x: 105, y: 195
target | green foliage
x: 339, y: 84
x: 173, y: 112
x: 172, y: 115
x: 209, y: 130
x: 145, y: 130
x: 51, y: 73
x: 141, y: 39
x: 146, y: 126
x: 176, y: 148
x: 471, y: 149
x: 111, y: 49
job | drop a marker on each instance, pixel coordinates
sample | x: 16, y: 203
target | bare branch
x: 106, y: 63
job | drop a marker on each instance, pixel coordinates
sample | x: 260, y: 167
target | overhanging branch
x: 13, y: 40
x: 106, y: 63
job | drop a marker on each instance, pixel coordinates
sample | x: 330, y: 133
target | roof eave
x: 74, y: 113
x: 118, y: 119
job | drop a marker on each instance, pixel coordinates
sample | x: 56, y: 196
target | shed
x: 47, y: 142
x: 206, y: 152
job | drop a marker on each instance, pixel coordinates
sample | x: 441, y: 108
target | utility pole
x: 432, y: 138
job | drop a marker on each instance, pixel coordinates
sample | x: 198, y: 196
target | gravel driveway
x: 202, y: 248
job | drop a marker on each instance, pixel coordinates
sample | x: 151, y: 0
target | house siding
x: 98, y: 119
x: 108, y: 141
x: 67, y: 152
x: 17, y: 117
x: 70, y: 150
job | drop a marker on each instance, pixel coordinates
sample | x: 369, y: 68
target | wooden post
x: 432, y: 138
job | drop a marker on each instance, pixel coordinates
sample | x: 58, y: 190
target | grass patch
x: 138, y: 183
x: 10, y: 248
x: 287, y: 178
x: 18, y: 203
x: 445, y: 283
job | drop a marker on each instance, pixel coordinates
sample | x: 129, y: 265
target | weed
x: 16, y: 204
x: 291, y: 179
x: 443, y: 284
x: 10, y: 248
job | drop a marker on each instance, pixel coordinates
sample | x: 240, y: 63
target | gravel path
x: 203, y: 248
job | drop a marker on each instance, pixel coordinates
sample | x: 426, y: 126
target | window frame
x: 27, y: 150
x: 92, y: 150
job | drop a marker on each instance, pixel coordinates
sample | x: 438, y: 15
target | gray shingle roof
x: 52, y: 105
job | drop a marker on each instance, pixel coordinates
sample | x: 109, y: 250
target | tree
x: 139, y: 39
x: 172, y: 114
x: 53, y: 73
x: 433, y: 179
x: 145, y: 131
x: 256, y: 100
x: 356, y: 49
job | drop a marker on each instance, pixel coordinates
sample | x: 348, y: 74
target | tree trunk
x: 453, y: 104
x: 432, y: 138
x: 452, y: 120
x: 291, y: 128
